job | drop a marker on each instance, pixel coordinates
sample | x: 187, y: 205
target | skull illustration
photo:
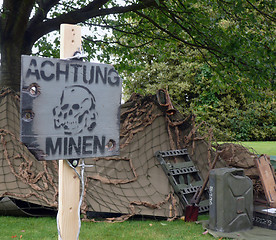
x: 76, y: 110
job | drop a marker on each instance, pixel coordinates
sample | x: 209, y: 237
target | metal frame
x: 183, y: 176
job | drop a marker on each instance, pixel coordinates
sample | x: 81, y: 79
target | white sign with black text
x: 69, y: 109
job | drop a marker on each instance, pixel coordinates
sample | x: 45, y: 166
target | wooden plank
x: 69, y: 189
x: 69, y: 184
x: 267, y: 176
x: 70, y: 40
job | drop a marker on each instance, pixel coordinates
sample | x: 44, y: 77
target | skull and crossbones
x: 76, y: 111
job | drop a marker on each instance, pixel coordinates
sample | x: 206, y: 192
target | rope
x: 126, y: 184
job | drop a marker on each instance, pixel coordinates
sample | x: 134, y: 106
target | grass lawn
x: 268, y: 148
x: 45, y: 228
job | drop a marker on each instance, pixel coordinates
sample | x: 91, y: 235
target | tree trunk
x: 10, y: 66
x: 14, y: 20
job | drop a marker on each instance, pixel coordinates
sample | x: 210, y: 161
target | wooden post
x: 69, y: 184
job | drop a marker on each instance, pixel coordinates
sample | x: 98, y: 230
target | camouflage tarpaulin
x: 129, y: 184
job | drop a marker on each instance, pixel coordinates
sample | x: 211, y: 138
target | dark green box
x: 264, y: 216
x: 230, y: 200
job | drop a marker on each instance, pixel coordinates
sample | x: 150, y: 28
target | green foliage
x: 48, y: 46
x: 251, y: 122
x: 236, y: 38
x: 256, y: 122
x: 217, y: 58
x: 233, y: 109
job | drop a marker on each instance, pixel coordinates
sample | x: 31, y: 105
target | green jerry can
x: 230, y: 200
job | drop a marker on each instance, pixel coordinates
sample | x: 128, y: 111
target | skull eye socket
x: 75, y: 106
x: 64, y: 107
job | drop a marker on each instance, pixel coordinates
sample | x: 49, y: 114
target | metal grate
x: 183, y: 176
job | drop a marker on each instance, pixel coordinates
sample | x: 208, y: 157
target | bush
x: 237, y: 109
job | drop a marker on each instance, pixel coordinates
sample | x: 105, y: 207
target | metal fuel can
x: 230, y: 200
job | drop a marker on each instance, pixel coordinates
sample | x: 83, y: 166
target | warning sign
x: 69, y: 109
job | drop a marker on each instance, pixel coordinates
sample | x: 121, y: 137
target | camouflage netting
x: 130, y: 184
x: 22, y: 177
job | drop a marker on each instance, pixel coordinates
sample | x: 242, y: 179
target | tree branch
x: 178, y: 20
x: 261, y: 12
x: 92, y: 10
x: 170, y: 34
x: 44, y: 6
x: 118, y: 42
x: 116, y: 28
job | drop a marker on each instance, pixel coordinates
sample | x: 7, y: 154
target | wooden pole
x: 69, y: 184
